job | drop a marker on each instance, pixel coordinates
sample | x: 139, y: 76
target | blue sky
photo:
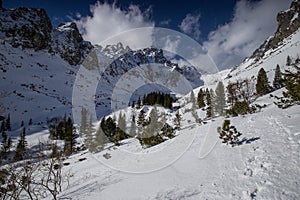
x: 168, y: 14
x: 229, y: 29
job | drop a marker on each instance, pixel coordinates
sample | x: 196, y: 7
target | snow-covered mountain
x: 40, y: 65
x: 194, y: 164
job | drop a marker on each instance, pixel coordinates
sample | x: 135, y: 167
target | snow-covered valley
x: 188, y: 161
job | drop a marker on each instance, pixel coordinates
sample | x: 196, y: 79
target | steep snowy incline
x: 278, y: 56
x: 34, y: 84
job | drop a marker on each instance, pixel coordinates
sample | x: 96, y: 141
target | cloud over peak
x: 107, y: 20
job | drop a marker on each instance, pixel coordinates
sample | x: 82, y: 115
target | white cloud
x: 252, y: 23
x: 190, y: 25
x: 108, y: 20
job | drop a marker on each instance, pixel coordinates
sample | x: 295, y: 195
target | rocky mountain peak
x: 288, y: 22
x: 25, y: 27
x: 31, y: 28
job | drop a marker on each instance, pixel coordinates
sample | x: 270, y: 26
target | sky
x: 230, y: 30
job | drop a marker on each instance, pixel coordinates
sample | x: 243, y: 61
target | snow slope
x: 265, y: 168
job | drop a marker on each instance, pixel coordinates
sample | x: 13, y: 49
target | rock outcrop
x: 68, y: 42
x: 288, y: 22
x: 32, y: 28
x: 25, y: 27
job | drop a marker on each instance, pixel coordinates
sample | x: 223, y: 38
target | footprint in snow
x: 248, y: 172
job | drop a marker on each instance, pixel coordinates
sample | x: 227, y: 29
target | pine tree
x: 262, y: 84
x: 89, y: 133
x: 278, y: 80
x: 21, y: 146
x: 8, y: 125
x: 288, y: 61
x: 192, y: 97
x: 141, y: 118
x: 3, y: 126
x: 177, y: 120
x: 210, y: 105
x: 83, y: 123
x: 141, y: 121
x: 30, y: 122
x: 292, y: 84
x: 232, y: 93
x: 22, y: 123
x: 109, y: 128
x: 100, y: 140
x: 3, y: 152
x: 70, y: 140
x: 138, y: 103
x: 55, y: 152
x: 220, y: 101
x: 122, y: 121
x: 208, y: 97
x: 132, y: 131
x: 200, y: 99
x: 228, y: 134
x: 153, y: 127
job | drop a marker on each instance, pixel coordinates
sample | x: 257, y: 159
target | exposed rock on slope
x: 25, y: 27
x: 288, y: 23
x: 68, y: 42
x: 31, y: 28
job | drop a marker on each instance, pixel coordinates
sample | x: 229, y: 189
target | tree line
x: 154, y: 98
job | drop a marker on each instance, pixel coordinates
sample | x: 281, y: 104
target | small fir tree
x: 228, y: 134
x: 200, y: 99
x: 153, y: 126
x: 132, y: 131
x: 141, y: 122
x: 122, y: 121
x: 220, y: 101
x: 278, y: 80
x: 292, y: 84
x: 288, y: 61
x: 262, y: 84
x: 30, y: 122
x: 4, y: 149
x: 192, y: 98
x: 21, y: 146
x: 70, y: 140
x: 83, y: 123
x: 138, y: 103
x: 100, y: 140
x: 8, y: 124
x: 177, y: 120
x: 89, y: 133
x: 3, y: 126
x: 110, y: 128
x: 210, y: 105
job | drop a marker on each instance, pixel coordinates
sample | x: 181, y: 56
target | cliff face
x: 288, y: 22
x: 25, y: 27
x: 68, y: 42
x: 31, y: 28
